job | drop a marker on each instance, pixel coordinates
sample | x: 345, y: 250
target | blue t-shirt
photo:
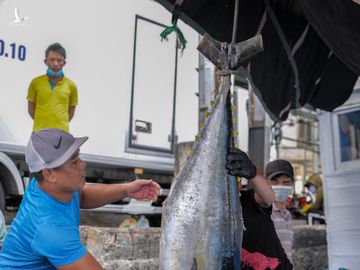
x: 44, y: 233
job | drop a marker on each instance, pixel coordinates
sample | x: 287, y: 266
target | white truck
x: 136, y: 93
x: 340, y: 153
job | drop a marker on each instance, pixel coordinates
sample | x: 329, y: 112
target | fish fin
x: 233, y: 120
x: 194, y: 266
x: 216, y: 92
x: 235, y: 133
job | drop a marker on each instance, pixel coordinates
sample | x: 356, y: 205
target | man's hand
x: 239, y: 164
x: 142, y: 189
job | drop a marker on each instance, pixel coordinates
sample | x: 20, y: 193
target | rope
x: 235, y: 22
x: 181, y: 41
x: 180, y: 36
x: 231, y: 56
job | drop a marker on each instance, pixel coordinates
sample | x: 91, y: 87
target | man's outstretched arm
x: 96, y: 195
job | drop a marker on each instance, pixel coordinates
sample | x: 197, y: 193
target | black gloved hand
x: 239, y: 164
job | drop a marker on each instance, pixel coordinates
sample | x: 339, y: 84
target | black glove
x: 239, y: 164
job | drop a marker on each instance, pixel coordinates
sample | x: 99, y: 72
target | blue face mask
x: 54, y: 74
x: 282, y: 192
x: 312, y: 189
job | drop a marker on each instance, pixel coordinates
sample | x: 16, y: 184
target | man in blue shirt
x: 45, y: 232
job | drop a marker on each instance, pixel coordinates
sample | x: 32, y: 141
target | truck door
x: 153, y: 89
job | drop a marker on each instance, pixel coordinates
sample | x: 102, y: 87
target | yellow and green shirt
x: 52, y: 105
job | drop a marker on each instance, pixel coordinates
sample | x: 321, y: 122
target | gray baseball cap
x: 277, y: 167
x: 50, y: 148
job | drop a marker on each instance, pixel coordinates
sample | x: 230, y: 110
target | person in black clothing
x: 261, y: 247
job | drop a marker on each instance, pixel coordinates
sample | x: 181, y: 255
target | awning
x: 311, y: 47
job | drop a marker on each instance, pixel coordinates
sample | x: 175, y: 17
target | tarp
x: 311, y: 47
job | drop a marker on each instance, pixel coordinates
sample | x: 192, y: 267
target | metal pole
x: 315, y: 163
x: 305, y: 150
x: 206, y: 86
x: 259, y: 133
x: 277, y: 150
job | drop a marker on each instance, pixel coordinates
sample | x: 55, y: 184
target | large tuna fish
x: 201, y: 223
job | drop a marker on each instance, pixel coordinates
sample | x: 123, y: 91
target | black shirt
x: 261, y: 247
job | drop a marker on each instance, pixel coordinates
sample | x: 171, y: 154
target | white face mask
x: 282, y: 192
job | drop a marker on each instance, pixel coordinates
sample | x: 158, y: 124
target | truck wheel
x: 2, y: 198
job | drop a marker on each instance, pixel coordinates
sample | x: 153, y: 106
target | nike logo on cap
x: 57, y: 146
